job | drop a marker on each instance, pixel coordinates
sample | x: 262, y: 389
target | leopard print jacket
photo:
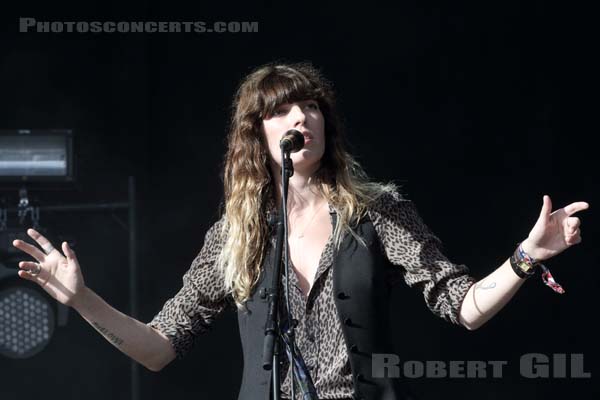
x: 406, y: 241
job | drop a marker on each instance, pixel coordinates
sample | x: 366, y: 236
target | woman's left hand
x: 554, y: 231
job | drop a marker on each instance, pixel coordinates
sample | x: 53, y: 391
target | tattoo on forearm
x: 107, y: 334
x: 485, y: 285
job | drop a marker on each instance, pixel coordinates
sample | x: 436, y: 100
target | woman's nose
x: 297, y: 115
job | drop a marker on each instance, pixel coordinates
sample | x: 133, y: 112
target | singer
x: 349, y: 239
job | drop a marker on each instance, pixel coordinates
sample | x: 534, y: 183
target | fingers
x: 29, y: 270
x: 571, y: 224
x: 572, y: 230
x: 29, y: 249
x: 574, y: 238
x: 28, y: 265
x: 546, y: 207
x: 27, y: 275
x: 69, y: 252
x: 576, y: 207
x: 41, y: 240
x: 33, y: 251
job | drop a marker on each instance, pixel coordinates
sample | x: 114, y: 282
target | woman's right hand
x: 58, y: 275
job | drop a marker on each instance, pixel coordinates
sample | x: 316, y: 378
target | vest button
x: 342, y: 296
x: 262, y: 293
x: 348, y: 322
x: 360, y: 378
x: 354, y: 348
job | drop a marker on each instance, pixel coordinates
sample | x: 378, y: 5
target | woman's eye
x: 313, y: 106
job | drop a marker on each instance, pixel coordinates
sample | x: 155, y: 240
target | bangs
x: 285, y: 86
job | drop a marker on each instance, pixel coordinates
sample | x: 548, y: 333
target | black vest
x: 362, y: 293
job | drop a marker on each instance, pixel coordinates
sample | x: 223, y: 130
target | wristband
x: 525, y: 266
x: 521, y: 273
x: 522, y: 264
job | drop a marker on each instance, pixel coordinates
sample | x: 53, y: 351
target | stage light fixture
x: 28, y: 316
x: 36, y: 155
x: 26, y: 322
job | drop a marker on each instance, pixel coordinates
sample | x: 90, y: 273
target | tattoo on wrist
x: 107, y: 334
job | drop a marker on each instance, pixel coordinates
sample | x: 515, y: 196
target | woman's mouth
x: 307, y: 137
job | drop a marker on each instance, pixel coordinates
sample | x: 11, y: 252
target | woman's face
x: 306, y: 117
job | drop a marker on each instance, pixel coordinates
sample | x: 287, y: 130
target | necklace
x: 301, y: 235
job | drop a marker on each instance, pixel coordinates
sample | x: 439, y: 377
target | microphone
x: 292, y: 141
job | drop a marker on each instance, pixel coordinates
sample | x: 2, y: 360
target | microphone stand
x: 272, y: 343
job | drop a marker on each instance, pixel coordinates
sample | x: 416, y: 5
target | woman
x: 349, y: 238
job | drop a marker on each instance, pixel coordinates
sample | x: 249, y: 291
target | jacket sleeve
x: 203, y: 295
x: 409, y: 243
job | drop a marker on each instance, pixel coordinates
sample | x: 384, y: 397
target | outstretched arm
x: 553, y: 233
x: 61, y: 277
x: 142, y: 343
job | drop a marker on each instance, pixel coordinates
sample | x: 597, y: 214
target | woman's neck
x: 303, y: 193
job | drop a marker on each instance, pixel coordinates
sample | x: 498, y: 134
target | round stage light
x: 27, y: 322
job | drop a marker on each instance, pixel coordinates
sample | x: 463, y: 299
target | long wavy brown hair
x: 249, y: 184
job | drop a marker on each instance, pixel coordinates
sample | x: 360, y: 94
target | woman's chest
x: 306, y: 249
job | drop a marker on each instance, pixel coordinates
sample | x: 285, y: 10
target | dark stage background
x: 476, y: 109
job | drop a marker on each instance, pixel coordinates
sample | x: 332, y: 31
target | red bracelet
x: 549, y: 280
